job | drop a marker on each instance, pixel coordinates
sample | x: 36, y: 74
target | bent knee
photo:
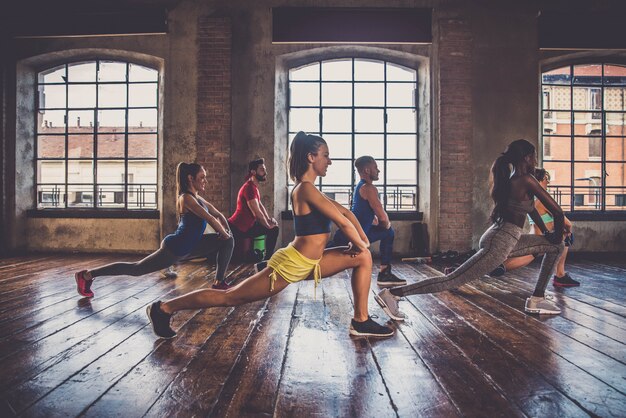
x: 364, y: 257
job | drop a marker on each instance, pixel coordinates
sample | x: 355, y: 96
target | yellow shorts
x: 293, y: 266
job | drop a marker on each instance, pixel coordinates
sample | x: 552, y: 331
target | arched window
x: 360, y: 107
x: 96, y: 130
x: 584, y: 113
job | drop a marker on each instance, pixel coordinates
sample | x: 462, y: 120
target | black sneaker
x: 369, y: 328
x: 260, y: 266
x: 498, y: 271
x: 388, y: 279
x: 160, y: 321
x: 565, y: 281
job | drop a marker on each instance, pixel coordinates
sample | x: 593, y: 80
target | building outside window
x: 360, y: 107
x: 97, y: 136
x: 583, y: 125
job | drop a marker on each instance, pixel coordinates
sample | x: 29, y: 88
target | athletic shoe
x: 369, y: 328
x: 221, y: 286
x: 260, y: 266
x: 83, y: 286
x: 160, y: 321
x: 541, y: 306
x: 498, y: 271
x: 169, y: 273
x: 449, y: 270
x: 388, y: 279
x: 389, y: 303
x: 565, y: 281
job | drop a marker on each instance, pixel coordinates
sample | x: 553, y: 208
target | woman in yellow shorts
x: 304, y: 256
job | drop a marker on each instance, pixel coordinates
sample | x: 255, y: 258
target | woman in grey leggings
x: 513, y: 190
x: 189, y: 240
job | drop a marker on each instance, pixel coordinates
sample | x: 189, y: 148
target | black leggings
x: 271, y: 236
x: 163, y: 258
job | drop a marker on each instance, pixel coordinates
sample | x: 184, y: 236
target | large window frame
x: 127, y: 196
x: 585, y: 128
x: 393, y: 196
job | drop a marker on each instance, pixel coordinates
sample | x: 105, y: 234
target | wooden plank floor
x: 468, y: 352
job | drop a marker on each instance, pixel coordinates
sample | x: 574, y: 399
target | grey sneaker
x: 389, y: 303
x: 541, y: 306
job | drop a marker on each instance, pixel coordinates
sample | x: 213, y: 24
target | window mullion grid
x: 94, y: 158
x: 603, y: 145
x: 125, y: 175
x: 385, y: 165
x: 352, y: 142
x: 67, y: 120
x: 320, y: 119
x: 572, y: 141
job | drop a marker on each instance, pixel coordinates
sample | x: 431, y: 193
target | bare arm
x: 259, y: 214
x: 217, y: 214
x: 270, y: 219
x: 194, y: 207
x: 371, y: 195
x: 353, y: 220
x: 549, y: 203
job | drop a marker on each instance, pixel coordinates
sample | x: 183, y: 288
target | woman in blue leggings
x: 513, y: 191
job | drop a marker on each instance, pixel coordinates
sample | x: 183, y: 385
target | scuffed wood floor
x: 469, y: 352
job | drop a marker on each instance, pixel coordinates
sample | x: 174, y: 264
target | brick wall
x: 214, y: 107
x: 456, y: 132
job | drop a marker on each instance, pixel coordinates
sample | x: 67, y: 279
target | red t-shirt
x: 243, y: 218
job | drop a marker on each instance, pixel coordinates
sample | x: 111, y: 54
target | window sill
x: 596, y: 216
x: 93, y: 213
x: 287, y: 215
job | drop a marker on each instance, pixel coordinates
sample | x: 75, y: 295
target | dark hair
x: 182, y: 183
x: 302, y: 145
x: 541, y: 174
x: 501, y: 175
x: 254, y: 164
x: 363, y: 161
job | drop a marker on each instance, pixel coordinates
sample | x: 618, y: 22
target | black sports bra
x: 312, y: 223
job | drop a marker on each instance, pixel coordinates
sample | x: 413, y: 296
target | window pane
x: 616, y: 175
x: 557, y: 148
x: 143, y: 119
x: 557, y: 76
x: 399, y: 73
x: 369, y: 94
x: 401, y: 146
x: 81, y: 72
x: 111, y: 120
x: 556, y: 98
x: 53, y: 75
x: 51, y: 172
x: 560, y: 181
x: 340, y: 70
x: 336, y: 120
x: 81, y: 95
x: 401, y: 198
x: 614, y: 98
x: 111, y: 146
x: 306, y: 120
x: 307, y: 72
x: 80, y: 195
x: 141, y: 196
x: 142, y: 172
x: 588, y: 184
x: 340, y: 194
x: 51, y: 121
x: 111, y: 196
x: 112, y: 95
x: 51, y: 196
x: 340, y: 146
x: 369, y: 120
x: 80, y: 121
x: 615, y: 75
x: 401, y: 120
x: 80, y: 146
x: 142, y: 95
x: 588, y: 74
x: 400, y: 95
x: 372, y: 145
x: 111, y: 172
x: 340, y: 172
x: 616, y: 148
x: 337, y: 94
x: 401, y: 172
x: 52, y: 96
x: 587, y: 148
x: 366, y: 70
x: 304, y: 94
x: 50, y: 146
x: 80, y: 171
x: 112, y: 71
x: 558, y: 122
x: 587, y: 98
x: 142, y: 146
x: 615, y: 124
x: 140, y: 73
x: 586, y: 122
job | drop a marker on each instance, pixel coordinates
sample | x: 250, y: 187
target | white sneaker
x: 169, y: 273
x: 539, y: 305
x: 389, y: 303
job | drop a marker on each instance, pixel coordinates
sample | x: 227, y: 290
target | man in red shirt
x: 251, y: 218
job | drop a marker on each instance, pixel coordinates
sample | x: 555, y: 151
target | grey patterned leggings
x: 163, y: 258
x: 497, y: 244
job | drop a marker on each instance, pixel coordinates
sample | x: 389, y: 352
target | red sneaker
x: 83, y: 286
